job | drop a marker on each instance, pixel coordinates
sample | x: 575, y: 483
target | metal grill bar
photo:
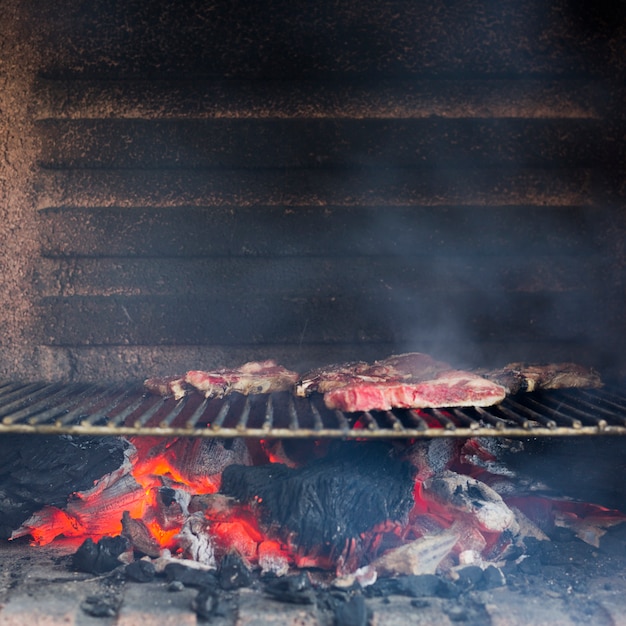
x: 126, y: 410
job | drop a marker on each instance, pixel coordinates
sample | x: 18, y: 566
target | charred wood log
x: 330, y: 501
x: 42, y: 470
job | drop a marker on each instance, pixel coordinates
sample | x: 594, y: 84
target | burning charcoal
x: 139, y: 536
x: 432, y: 457
x: 97, y: 558
x: 293, y: 589
x: 100, y: 509
x: 196, y: 543
x: 331, y: 501
x: 190, y: 577
x: 38, y: 471
x: 489, y: 453
x: 172, y: 507
x: 141, y: 571
x: 352, y: 612
x: 201, y: 461
x: 233, y: 572
x: 468, y: 495
x: 215, y: 506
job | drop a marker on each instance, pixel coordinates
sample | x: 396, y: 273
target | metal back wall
x: 219, y: 182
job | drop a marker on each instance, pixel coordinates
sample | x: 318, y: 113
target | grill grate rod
x: 122, y: 409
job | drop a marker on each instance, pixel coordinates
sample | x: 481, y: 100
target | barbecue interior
x: 192, y: 185
x: 195, y: 185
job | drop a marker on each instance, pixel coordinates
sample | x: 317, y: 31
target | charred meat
x: 524, y: 377
x: 167, y: 386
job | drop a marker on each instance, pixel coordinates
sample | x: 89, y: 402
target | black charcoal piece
x: 493, y: 577
x: 532, y: 545
x: 205, y: 604
x: 567, y: 553
x: 175, y: 586
x: 530, y: 565
x: 457, y: 613
x: 98, y: 607
x: 167, y: 495
x: 562, y: 535
x: 210, y: 605
x: 141, y: 571
x: 233, y: 572
x: 470, y: 577
x: 331, y: 500
x: 101, y: 557
x: 614, y: 541
x: 422, y: 586
x: 190, y: 576
x: 352, y: 612
x: 293, y: 589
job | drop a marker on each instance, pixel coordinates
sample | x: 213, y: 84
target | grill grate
x: 82, y: 409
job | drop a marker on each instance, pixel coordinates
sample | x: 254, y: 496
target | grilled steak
x: 411, y: 380
x: 167, y: 386
x: 397, y: 367
x: 250, y: 378
x: 523, y: 377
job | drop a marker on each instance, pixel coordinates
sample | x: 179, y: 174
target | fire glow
x: 460, y: 506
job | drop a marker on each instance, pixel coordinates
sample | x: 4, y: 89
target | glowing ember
x: 167, y: 495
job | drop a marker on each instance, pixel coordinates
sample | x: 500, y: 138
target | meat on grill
x: 167, y: 386
x: 250, y: 378
x: 524, y: 377
x: 332, y: 377
x: 411, y: 380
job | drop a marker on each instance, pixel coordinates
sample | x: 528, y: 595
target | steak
x: 167, y: 386
x: 251, y: 378
x: 397, y: 367
x: 524, y: 377
x: 410, y: 381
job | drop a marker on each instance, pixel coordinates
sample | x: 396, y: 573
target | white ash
x: 272, y: 563
x: 166, y: 558
x: 432, y: 457
x: 216, y: 454
x: 468, y: 495
x: 196, y: 542
x: 365, y: 576
x: 421, y: 556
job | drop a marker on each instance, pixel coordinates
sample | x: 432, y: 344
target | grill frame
x: 126, y: 410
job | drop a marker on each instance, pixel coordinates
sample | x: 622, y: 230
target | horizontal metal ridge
x: 311, y: 99
x: 125, y: 410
